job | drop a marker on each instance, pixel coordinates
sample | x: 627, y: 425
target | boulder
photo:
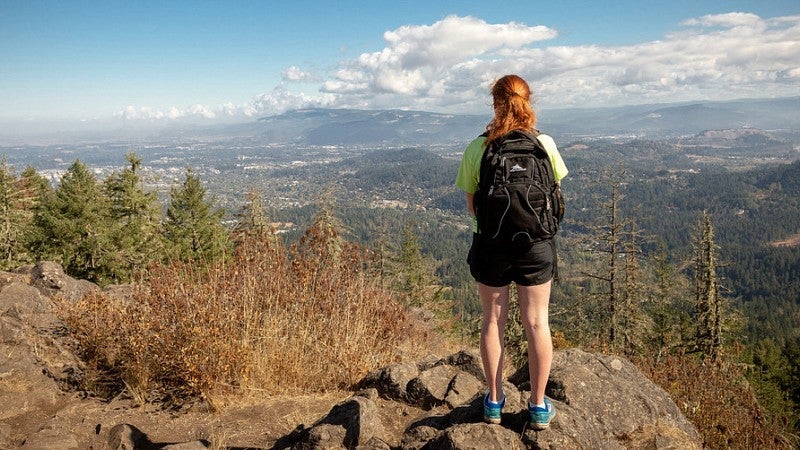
x: 391, y: 382
x: 49, y: 277
x: 468, y: 360
x: 127, y: 437
x: 476, y: 436
x: 431, y: 386
x: 354, y: 422
x: 605, y: 400
x: 462, y: 388
x: 602, y: 402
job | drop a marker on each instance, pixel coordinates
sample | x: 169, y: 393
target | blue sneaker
x: 541, y: 417
x: 492, y: 410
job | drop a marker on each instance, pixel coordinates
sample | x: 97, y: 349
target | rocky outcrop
x: 602, y: 401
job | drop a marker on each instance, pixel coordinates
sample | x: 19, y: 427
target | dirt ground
x: 791, y: 241
x: 42, y: 415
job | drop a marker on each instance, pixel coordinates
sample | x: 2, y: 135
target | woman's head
x: 512, y: 107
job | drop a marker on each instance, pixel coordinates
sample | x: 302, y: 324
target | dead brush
x: 269, y: 319
x: 717, y: 399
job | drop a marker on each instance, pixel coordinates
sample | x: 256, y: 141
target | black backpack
x: 518, y: 200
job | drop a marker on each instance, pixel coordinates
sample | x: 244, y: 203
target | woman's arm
x: 470, y: 205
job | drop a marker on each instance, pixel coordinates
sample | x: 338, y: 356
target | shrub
x: 268, y: 319
x: 717, y: 398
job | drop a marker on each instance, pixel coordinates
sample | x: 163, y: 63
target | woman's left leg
x: 494, y: 302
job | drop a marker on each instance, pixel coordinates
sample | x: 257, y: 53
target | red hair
x: 512, y: 107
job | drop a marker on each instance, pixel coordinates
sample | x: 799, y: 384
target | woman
x: 494, y: 270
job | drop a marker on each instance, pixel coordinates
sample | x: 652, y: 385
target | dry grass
x: 717, y: 399
x: 268, y: 320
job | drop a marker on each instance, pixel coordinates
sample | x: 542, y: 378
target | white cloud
x: 146, y: 113
x: 724, y: 20
x: 294, y: 73
x: 448, y: 66
x: 417, y: 58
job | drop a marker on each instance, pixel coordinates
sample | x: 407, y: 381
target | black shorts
x: 498, y: 265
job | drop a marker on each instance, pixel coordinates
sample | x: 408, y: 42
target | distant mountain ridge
x: 780, y: 115
x: 319, y: 126
x: 401, y: 128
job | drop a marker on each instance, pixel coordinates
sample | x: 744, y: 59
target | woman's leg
x: 533, y: 307
x: 494, y: 303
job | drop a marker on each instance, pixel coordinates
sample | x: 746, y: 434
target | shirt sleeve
x: 469, y: 170
x: 559, y: 168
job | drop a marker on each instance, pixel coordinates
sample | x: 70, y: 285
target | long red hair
x: 512, y: 107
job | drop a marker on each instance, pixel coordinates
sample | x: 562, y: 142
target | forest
x: 670, y: 208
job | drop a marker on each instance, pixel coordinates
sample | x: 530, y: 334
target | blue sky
x: 104, y: 62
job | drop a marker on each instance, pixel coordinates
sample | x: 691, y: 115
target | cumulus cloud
x: 294, y: 73
x: 280, y: 99
x: 417, y: 59
x: 146, y: 113
x: 449, y: 65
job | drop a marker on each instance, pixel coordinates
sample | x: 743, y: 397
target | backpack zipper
x: 500, y: 222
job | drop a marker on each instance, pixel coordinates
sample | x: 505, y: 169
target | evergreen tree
x: 33, y: 187
x: 15, y: 219
x: 253, y: 218
x: 708, y: 301
x: 192, y: 230
x: 635, y: 324
x: 414, y: 270
x: 253, y: 225
x: 669, y: 305
x: 71, y: 226
x: 324, y: 235
x: 136, y: 218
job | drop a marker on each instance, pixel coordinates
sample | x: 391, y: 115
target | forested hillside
x: 732, y: 193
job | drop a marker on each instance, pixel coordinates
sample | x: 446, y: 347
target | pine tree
x: 670, y: 305
x: 15, y: 219
x: 253, y: 220
x: 708, y: 301
x: 72, y: 226
x: 412, y: 265
x: 33, y: 187
x: 323, y: 236
x: 192, y: 230
x: 136, y: 218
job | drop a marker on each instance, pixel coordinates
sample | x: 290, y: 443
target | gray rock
x: 463, y: 387
x: 127, y: 437
x: 476, y: 436
x: 392, y: 381
x: 468, y: 360
x: 11, y: 331
x: 352, y: 423
x: 51, y: 439
x: 431, y: 386
x: 25, y: 303
x: 418, y: 437
x: 49, y: 277
x: 601, y: 399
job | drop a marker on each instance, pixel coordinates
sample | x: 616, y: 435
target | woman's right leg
x: 494, y: 304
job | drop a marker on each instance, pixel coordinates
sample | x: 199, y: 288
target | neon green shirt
x: 469, y: 171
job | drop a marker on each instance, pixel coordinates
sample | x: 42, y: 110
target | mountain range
x: 395, y: 127
x: 409, y: 128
